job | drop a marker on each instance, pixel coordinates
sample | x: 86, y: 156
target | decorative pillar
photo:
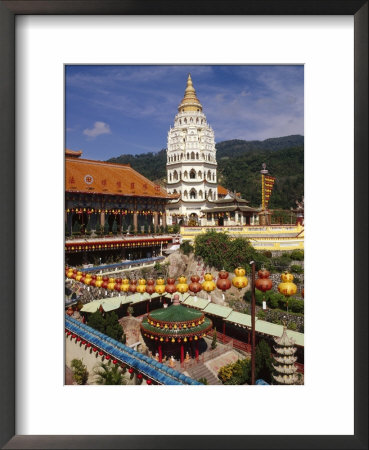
x: 155, y: 219
x: 102, y: 218
x: 182, y: 353
x: 197, y: 350
x: 160, y: 353
x: 164, y: 216
x: 135, y: 221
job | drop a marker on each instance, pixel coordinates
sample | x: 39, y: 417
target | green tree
x: 124, y: 226
x: 80, y: 373
x: 263, y: 362
x: 96, y: 321
x: 146, y: 228
x: 107, y: 374
x: 203, y: 380
x: 113, y: 328
x: 106, y: 226
x: 186, y: 248
x: 98, y: 229
x: 88, y: 226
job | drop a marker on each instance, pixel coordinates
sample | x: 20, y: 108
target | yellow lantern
x: 160, y: 286
x: 208, y: 285
x: 240, y: 281
x: 141, y: 288
x: 111, y: 284
x: 182, y: 286
x: 99, y: 282
x: 124, y: 287
x: 173, y: 340
x: 286, y: 277
x: 79, y: 276
x: 287, y: 288
x: 185, y: 339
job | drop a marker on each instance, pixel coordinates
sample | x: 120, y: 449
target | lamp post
x: 252, y: 263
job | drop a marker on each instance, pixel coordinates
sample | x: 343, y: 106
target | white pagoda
x: 191, y: 161
x: 285, y: 358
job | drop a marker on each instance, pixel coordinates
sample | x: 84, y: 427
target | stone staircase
x: 201, y: 371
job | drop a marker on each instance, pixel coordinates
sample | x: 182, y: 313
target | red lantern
x: 223, y: 283
x: 148, y: 382
x: 88, y: 344
x: 132, y: 286
x: 171, y: 287
x: 195, y: 286
x: 130, y: 370
x: 101, y: 353
x: 93, y: 282
x: 117, y: 287
x: 94, y: 349
x: 150, y: 286
x: 107, y: 357
x: 263, y: 283
x: 114, y: 361
x: 118, y: 280
x: 139, y: 376
x: 105, y: 284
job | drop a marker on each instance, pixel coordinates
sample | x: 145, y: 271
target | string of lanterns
x: 144, y: 212
x: 263, y: 283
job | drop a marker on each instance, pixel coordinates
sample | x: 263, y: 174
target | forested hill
x: 239, y: 165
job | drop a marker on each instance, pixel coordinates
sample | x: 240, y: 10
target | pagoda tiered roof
x: 176, y: 321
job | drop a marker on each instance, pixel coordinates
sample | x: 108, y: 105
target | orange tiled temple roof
x: 75, y: 153
x: 222, y: 190
x: 84, y: 175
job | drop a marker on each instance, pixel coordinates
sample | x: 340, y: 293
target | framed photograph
x: 100, y: 287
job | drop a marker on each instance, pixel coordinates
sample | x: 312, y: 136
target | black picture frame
x: 8, y: 12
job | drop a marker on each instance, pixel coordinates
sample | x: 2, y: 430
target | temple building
x: 191, y: 161
x: 103, y: 198
x: 230, y: 210
x: 176, y: 329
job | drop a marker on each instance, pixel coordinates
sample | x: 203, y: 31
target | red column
x: 182, y: 353
x: 223, y: 330
x: 160, y: 353
x: 197, y: 350
x: 248, y: 337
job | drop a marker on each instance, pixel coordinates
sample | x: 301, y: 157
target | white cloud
x: 99, y: 128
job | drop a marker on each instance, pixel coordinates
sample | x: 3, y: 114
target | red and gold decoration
x: 195, y: 285
x: 266, y: 191
x: 82, y: 246
x: 141, y: 288
x: 264, y: 283
x: 287, y: 287
x: 240, y: 281
x: 133, y: 286
x: 223, y: 282
x: 176, y: 324
x: 208, y: 285
x: 124, y: 287
x: 170, y: 287
x: 182, y: 286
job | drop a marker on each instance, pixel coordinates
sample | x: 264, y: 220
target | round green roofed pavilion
x: 176, y: 324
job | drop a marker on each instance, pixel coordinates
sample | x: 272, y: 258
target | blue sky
x: 114, y: 110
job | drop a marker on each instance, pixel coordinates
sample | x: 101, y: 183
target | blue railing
x: 142, y: 363
x: 123, y: 264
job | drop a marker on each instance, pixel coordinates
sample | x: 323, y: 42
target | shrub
x: 186, y: 248
x: 292, y: 326
x: 261, y: 314
x: 296, y: 305
x: 203, y: 380
x: 236, y: 373
x: 114, y: 227
x: 297, y: 255
x: 76, y: 228
x: 267, y: 253
x: 295, y: 268
x: 273, y: 299
x: 263, y: 362
x: 282, y: 263
x: 80, y: 373
x: 258, y: 297
x: 106, y: 227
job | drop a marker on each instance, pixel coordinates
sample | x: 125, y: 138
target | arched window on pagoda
x: 188, y: 156
x: 197, y: 156
x: 185, y: 120
x: 185, y: 194
x: 175, y: 175
x: 210, y: 194
x: 192, y: 155
x: 199, y: 174
x: 170, y: 177
x: 209, y: 175
x: 192, y: 174
x: 192, y: 194
x: 200, y: 194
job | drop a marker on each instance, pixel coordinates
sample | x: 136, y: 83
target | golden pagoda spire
x: 190, y: 102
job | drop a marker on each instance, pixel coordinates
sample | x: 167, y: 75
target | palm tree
x: 106, y: 374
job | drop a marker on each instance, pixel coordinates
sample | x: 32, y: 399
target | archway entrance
x: 193, y: 219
